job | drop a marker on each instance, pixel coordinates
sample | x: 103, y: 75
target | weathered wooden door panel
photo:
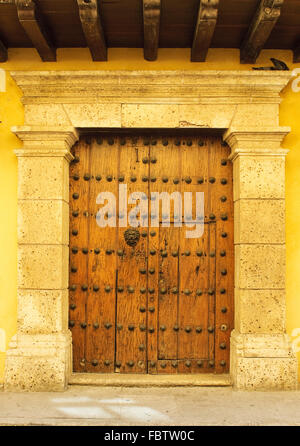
x: 79, y: 202
x: 132, y: 266
x: 145, y: 297
x: 101, y: 302
x: 196, y: 281
x: 221, y: 205
x: 168, y: 292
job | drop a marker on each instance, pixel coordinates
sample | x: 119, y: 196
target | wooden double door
x: 150, y: 299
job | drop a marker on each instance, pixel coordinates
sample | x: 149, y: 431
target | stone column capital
x: 46, y: 141
x: 256, y: 141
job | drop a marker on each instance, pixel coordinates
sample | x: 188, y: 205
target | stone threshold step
x: 135, y: 380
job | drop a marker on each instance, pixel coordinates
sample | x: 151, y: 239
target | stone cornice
x: 46, y: 141
x: 45, y: 153
x: 26, y: 133
x: 256, y: 141
x: 151, y: 86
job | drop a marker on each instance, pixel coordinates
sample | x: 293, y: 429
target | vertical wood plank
x: 166, y: 171
x: 194, y: 261
x: 78, y: 291
x: 222, y: 205
x: 131, y: 342
x: 204, y: 30
x: 151, y: 17
x: 102, y: 259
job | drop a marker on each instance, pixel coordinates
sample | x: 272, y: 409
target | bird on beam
x: 278, y: 66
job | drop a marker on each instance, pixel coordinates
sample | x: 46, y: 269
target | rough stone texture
x: 94, y: 115
x: 266, y: 374
x: 262, y: 362
x: 41, y: 140
x: 247, y: 104
x: 237, y: 87
x: 223, y: 116
x: 259, y: 177
x: 43, y: 266
x: 255, y: 114
x: 261, y: 345
x: 46, y: 114
x: 43, y: 178
x: 51, y: 215
x: 38, y: 363
x: 261, y: 356
x: 42, y: 311
x: 35, y: 374
x: 210, y: 116
x: 147, y: 115
x: 260, y: 266
x: 127, y: 380
x: 39, y: 357
x: 254, y: 139
x: 259, y: 221
x: 260, y: 311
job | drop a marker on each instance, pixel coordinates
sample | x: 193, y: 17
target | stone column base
x: 262, y: 362
x: 38, y: 363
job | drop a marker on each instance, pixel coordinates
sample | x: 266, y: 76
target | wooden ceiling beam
x: 3, y: 52
x: 35, y: 28
x: 264, y: 20
x: 297, y: 53
x: 151, y: 15
x: 93, y: 29
x: 204, y: 31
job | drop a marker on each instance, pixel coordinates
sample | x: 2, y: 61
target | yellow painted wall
x: 11, y: 113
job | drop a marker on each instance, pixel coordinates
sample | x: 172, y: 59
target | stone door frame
x: 57, y: 104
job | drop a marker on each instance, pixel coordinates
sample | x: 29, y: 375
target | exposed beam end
x: 297, y: 54
x: 248, y: 55
x: 263, y: 22
x: 151, y: 15
x: 35, y: 28
x: 93, y: 29
x: 202, y: 41
x: 3, y: 52
x: 150, y: 57
x: 205, y: 28
x: 96, y: 42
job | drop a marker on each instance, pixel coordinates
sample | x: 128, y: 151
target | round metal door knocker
x: 132, y: 237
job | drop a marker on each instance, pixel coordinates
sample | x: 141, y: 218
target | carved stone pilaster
x: 261, y: 356
x: 39, y: 357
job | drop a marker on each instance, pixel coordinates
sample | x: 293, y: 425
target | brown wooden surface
x: 36, y: 30
x: 151, y: 17
x: 92, y: 28
x: 204, y: 30
x: 166, y: 304
x: 123, y: 25
x: 297, y: 53
x: 264, y: 20
x: 3, y: 52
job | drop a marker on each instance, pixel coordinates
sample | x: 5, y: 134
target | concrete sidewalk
x: 98, y: 406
